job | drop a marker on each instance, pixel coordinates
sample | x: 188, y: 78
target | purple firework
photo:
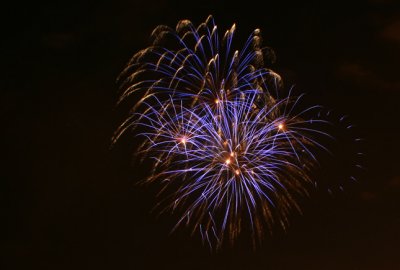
x: 230, y: 151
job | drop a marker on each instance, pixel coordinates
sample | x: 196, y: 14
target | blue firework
x: 230, y: 151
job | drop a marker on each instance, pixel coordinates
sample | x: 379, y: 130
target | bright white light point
x: 216, y: 101
x: 228, y: 161
x: 232, y: 154
x: 237, y: 172
x: 183, y: 140
x: 280, y: 126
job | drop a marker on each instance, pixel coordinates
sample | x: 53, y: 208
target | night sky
x: 69, y: 202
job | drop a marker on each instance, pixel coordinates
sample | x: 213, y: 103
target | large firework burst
x: 230, y: 151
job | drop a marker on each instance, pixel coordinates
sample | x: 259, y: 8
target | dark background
x: 68, y: 202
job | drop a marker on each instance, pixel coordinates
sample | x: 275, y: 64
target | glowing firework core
x: 183, y: 140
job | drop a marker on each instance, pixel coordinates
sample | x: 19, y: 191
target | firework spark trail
x: 228, y: 150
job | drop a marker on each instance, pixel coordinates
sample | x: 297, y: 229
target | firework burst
x: 230, y: 151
